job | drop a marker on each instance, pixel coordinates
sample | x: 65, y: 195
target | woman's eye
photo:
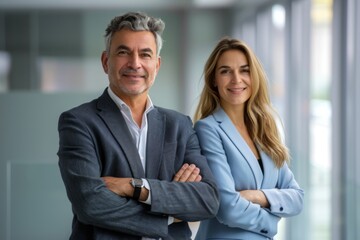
x: 224, y: 71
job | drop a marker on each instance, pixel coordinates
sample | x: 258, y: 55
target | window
x: 320, y: 120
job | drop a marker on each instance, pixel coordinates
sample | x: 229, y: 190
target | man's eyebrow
x: 122, y: 47
x: 144, y: 50
x: 148, y: 50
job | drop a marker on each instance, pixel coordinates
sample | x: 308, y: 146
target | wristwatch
x: 138, y: 185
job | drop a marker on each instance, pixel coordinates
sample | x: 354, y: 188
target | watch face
x: 137, y: 182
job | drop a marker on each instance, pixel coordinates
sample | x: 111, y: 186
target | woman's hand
x: 255, y: 196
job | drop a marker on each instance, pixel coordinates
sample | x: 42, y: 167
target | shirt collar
x: 122, y: 105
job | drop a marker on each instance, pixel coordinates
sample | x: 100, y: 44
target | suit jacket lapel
x: 156, y: 134
x: 113, y: 118
x: 270, y: 171
x: 230, y: 130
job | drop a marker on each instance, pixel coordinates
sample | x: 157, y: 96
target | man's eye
x: 146, y: 55
x: 122, y: 52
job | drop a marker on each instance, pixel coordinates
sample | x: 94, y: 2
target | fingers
x: 198, y: 178
x: 195, y: 173
x: 188, y: 173
x: 119, y: 186
x: 109, y: 183
x: 107, y: 180
x: 180, y: 172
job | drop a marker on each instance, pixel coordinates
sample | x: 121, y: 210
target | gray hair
x: 136, y: 21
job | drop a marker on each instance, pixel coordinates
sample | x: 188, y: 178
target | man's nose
x: 134, y: 61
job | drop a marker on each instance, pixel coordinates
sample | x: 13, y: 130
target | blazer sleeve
x: 286, y: 199
x: 188, y: 201
x: 91, y: 201
x: 234, y: 211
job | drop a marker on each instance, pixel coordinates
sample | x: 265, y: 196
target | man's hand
x: 188, y: 173
x: 123, y: 187
x: 120, y: 186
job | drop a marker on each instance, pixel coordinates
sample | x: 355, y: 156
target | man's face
x: 132, y: 63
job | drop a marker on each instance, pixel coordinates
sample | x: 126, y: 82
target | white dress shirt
x: 139, y: 135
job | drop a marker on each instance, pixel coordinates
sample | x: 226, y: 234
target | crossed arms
x: 123, y: 187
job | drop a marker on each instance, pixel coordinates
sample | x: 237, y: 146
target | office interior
x: 310, y: 49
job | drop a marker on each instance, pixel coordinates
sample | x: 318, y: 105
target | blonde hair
x: 259, y: 113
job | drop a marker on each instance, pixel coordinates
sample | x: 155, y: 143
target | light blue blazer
x: 236, y: 168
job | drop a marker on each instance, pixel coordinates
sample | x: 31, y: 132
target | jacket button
x: 281, y: 209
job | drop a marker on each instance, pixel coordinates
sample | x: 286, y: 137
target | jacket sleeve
x: 188, y: 201
x: 234, y: 211
x: 286, y: 199
x: 91, y: 201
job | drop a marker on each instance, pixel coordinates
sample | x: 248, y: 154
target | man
x: 133, y: 170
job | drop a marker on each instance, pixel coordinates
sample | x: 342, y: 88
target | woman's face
x: 232, y: 78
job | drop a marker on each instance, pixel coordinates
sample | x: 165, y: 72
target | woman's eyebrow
x: 245, y: 66
x: 223, y: 66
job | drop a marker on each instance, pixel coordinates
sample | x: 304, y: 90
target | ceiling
x: 143, y: 4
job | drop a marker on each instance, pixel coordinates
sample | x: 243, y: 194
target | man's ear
x: 104, y: 61
x: 158, y: 64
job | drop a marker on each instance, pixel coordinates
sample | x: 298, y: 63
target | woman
x: 239, y: 136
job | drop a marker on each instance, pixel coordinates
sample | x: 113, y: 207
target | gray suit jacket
x: 95, y: 142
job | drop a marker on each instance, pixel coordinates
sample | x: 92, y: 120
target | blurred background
x: 50, y: 62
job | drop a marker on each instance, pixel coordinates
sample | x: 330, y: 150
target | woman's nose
x: 236, y: 78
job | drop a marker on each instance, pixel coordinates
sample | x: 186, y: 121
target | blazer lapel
x: 156, y: 134
x: 270, y: 171
x: 113, y: 118
x: 236, y: 138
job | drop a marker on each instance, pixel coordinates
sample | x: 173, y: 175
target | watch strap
x: 137, y: 184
